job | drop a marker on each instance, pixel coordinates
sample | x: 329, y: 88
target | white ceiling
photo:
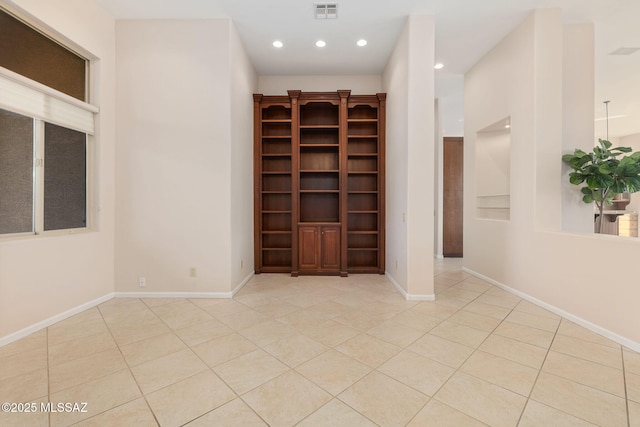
x: 465, y: 31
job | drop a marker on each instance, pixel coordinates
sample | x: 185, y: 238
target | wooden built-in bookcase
x: 319, y: 183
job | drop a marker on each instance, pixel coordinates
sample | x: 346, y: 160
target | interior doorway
x: 453, y: 158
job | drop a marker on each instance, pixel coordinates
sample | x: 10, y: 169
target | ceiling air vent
x: 326, y: 10
x: 625, y: 51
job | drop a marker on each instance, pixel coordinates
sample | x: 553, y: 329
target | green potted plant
x: 604, y: 174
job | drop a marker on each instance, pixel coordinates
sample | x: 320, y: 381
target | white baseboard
x: 229, y: 294
x: 575, y: 319
x: 407, y: 296
x: 54, y: 319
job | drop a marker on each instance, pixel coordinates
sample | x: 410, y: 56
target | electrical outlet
x: 241, y: 264
x: 142, y: 281
x: 193, y: 272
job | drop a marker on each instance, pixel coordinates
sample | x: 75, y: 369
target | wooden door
x: 330, y: 247
x: 453, y: 196
x: 308, y: 246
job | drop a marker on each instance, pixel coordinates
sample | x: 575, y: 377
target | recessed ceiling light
x: 278, y: 44
x: 321, y: 43
x: 507, y: 126
x: 361, y: 42
x: 439, y: 66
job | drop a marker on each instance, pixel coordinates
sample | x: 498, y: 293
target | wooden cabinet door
x: 453, y: 197
x: 330, y: 248
x: 308, y: 245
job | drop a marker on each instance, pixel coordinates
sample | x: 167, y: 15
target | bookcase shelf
x: 319, y: 183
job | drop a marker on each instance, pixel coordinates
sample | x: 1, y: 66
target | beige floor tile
x: 395, y: 333
x: 451, y: 301
x: 81, y: 347
x: 26, y: 419
x: 384, y: 400
x: 368, y: 350
x: 250, y: 370
x: 434, y: 310
x: 500, y: 371
x: 167, y: 370
x: 363, y: 320
x: 602, y: 354
x: 85, y: 369
x: 73, y: 331
x: 634, y: 414
x: 25, y: 387
x: 286, y: 399
x: 226, y: 307
x: 571, y: 329
x: 484, y: 401
x: 129, y: 331
x: 437, y: 414
x: 295, y: 349
x: 304, y: 300
x: 23, y: 363
x: 536, y: 414
x: 580, y: 401
x: 135, y: 413
x: 276, y: 308
x: 117, y: 307
x: 302, y: 319
x: 419, y: 372
x: 243, y: 320
x: 463, y: 294
x: 157, y: 302
x: 501, y: 301
x: 543, y: 323
x: 487, y: 310
x: 330, y: 333
x: 633, y: 386
x: 34, y: 341
x: 233, y: 414
x: 474, y: 284
x: 441, y: 350
x: 100, y: 395
x: 151, y: 348
x: 333, y: 371
x: 461, y: 334
x: 417, y: 320
x: 336, y: 413
x: 517, y: 351
x: 179, y: 315
x: 474, y: 320
x: 189, y: 399
x: 631, y: 361
x: 269, y: 332
x: 525, y: 334
x: 328, y: 309
x: 222, y: 349
x: 529, y: 307
x: 585, y: 372
x: 202, y: 332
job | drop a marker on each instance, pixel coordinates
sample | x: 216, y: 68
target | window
x: 46, y: 133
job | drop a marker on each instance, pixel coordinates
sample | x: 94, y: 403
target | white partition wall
x: 589, y: 278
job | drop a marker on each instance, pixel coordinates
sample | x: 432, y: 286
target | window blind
x: 24, y: 96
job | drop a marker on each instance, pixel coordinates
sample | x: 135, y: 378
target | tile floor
x: 321, y: 351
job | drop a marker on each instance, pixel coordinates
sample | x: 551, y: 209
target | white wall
x: 408, y: 80
x: 588, y: 277
x: 359, y: 85
x: 175, y: 133
x: 41, y: 277
x: 243, y: 85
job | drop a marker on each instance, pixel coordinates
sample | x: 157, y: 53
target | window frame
x: 72, y: 105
